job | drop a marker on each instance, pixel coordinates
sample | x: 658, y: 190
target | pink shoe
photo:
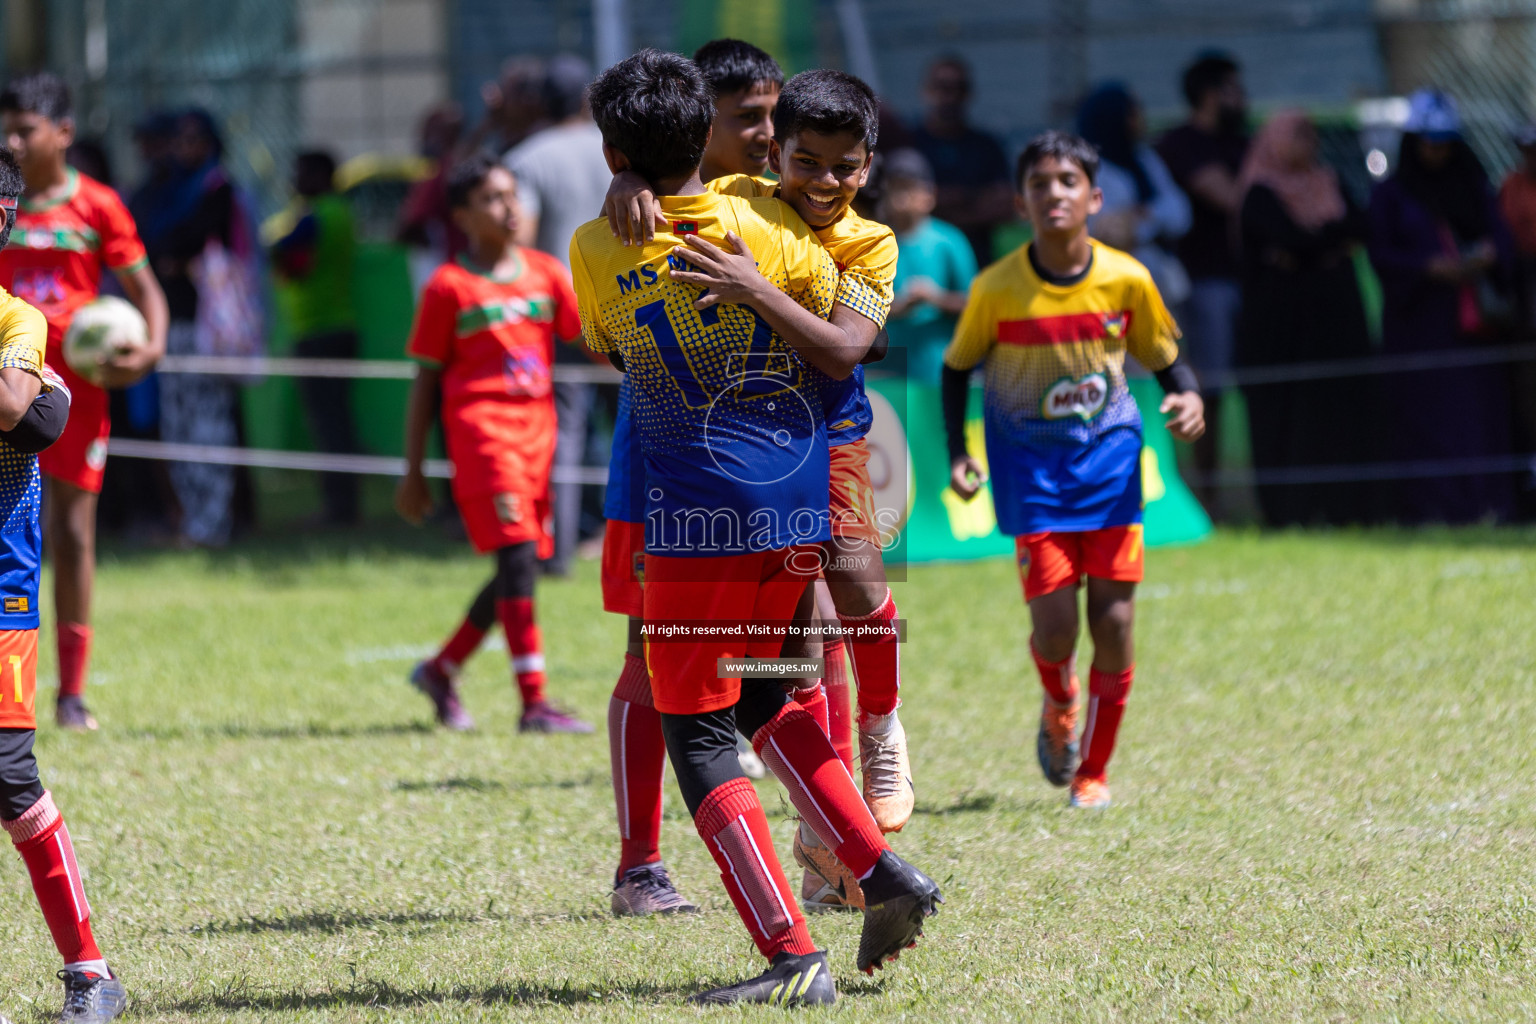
x: 439, y: 688
x: 545, y: 717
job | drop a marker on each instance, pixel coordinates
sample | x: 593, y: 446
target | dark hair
x: 828, y: 102
x: 1458, y: 192
x: 1209, y: 71
x: 730, y: 65
x: 43, y: 93
x: 316, y: 162
x: 1060, y: 146
x: 202, y: 121
x: 906, y: 165
x: 564, y: 89
x: 1103, y: 119
x: 11, y: 187
x: 466, y: 176
x: 656, y: 109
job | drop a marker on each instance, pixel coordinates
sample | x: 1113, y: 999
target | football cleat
x: 817, y: 897
x: 444, y: 695
x: 790, y: 980
x: 71, y: 713
x: 647, y: 890
x: 546, y: 717
x: 1089, y: 794
x: 90, y: 998
x: 887, y: 772
x: 897, y: 898
x: 1057, y: 745
x: 813, y: 855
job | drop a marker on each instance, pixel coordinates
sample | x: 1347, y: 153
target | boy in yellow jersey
x: 1053, y: 323
x: 34, y: 407
x: 735, y: 465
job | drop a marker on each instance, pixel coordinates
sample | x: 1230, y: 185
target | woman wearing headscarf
x: 1144, y: 212
x: 1301, y: 304
x: 1445, y: 260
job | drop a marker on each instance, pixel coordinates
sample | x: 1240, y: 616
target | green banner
x: 939, y: 526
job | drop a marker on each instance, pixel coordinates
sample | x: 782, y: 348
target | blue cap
x: 1433, y: 115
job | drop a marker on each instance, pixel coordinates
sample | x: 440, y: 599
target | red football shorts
x: 1050, y: 561
x: 623, y: 568
x: 498, y: 520
x: 18, y: 678
x: 730, y: 589
x: 79, y: 456
x: 852, y: 496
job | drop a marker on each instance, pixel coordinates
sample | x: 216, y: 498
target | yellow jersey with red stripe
x: 23, y: 342
x: 865, y: 254
x: 1063, y: 432
x: 729, y: 417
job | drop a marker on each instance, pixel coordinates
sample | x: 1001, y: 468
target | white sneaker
x: 887, y: 771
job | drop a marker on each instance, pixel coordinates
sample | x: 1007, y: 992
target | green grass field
x: 1324, y: 801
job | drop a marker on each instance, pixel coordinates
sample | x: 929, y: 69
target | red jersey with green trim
x: 58, y: 250
x: 494, y: 340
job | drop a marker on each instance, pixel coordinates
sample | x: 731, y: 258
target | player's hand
x: 127, y: 368
x: 730, y: 275
x: 1186, y: 415
x: 966, y: 476
x: 921, y: 289
x: 634, y: 215
x: 413, y: 499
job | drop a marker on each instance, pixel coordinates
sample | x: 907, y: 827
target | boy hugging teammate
x: 485, y: 338
x: 34, y: 406
x: 1053, y: 323
x: 736, y: 471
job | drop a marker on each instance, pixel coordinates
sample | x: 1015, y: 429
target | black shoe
x: 71, y: 713
x: 789, y: 981
x: 897, y: 897
x: 91, y: 998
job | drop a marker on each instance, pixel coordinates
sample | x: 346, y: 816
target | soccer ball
x: 100, y: 330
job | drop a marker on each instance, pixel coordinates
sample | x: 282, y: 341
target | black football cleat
x: 790, y: 980
x: 90, y: 998
x: 897, y: 897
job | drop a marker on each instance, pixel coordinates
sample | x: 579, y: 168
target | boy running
x: 735, y: 474
x: 34, y: 405
x: 745, y: 82
x: 1053, y: 323
x: 67, y: 229
x: 485, y: 338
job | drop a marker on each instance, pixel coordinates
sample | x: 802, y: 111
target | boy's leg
x: 70, y: 529
x: 834, y: 676
x: 1050, y: 566
x: 436, y: 676
x: 1113, y: 562
x: 517, y: 567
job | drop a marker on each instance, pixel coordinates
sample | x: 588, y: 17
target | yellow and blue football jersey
x: 23, y: 339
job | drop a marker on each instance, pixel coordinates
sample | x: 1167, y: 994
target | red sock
x: 814, y: 700
x: 459, y: 647
x: 876, y: 658
x: 638, y: 753
x: 74, y: 652
x: 43, y: 842
x: 1107, y: 692
x: 732, y: 824
x: 525, y: 644
x: 835, y: 679
x: 820, y: 787
x: 1058, y: 677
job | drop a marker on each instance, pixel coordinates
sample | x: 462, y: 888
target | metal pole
x: 610, y: 32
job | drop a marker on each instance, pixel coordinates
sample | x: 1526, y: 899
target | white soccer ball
x: 100, y: 330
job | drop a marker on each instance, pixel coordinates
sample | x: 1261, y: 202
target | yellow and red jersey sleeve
x: 23, y: 335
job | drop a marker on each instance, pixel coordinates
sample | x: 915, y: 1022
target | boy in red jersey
x: 1053, y: 323
x: 68, y: 228
x: 34, y: 405
x: 485, y: 338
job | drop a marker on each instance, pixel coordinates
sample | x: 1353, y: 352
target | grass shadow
x: 471, y: 783
x: 333, y: 922
x: 965, y: 803
x: 302, y: 731
x: 239, y: 996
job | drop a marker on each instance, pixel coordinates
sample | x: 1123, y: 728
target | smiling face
x: 1058, y: 198
x: 489, y: 217
x: 742, y: 131
x: 820, y: 174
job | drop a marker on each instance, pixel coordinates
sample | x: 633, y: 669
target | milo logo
x: 1084, y: 397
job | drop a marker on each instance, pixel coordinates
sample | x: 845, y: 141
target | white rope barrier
x: 353, y: 369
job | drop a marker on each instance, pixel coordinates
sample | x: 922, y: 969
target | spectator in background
x: 1301, y: 304
x: 1517, y: 201
x: 196, y: 211
x: 424, y: 220
x: 934, y: 266
x: 314, y: 264
x: 1144, y: 212
x: 969, y: 168
x: 1205, y: 156
x: 562, y: 179
x: 1443, y: 255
